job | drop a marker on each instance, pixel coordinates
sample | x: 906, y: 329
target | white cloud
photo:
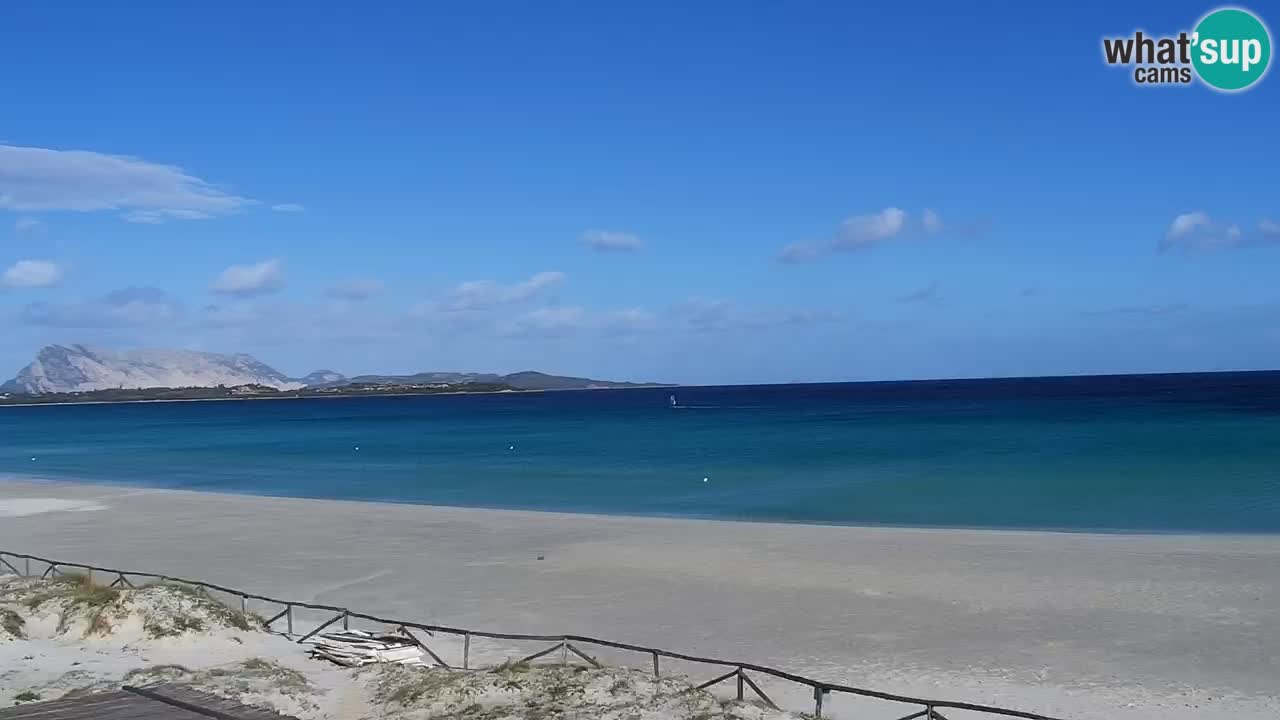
x: 549, y: 321
x: 157, y: 217
x: 565, y: 320
x: 701, y: 314
x: 36, y: 179
x: 356, y: 289
x: 246, y: 323
x: 611, y: 241
x: 236, y: 314
x: 487, y: 294
x: 799, y: 252
x: 931, y: 221
x: 861, y: 232
x: 127, y: 307
x: 27, y: 225
x: 31, y: 274
x: 1188, y: 223
x: 288, y: 208
x: 1198, y: 231
x: 866, y: 230
x: 245, y: 280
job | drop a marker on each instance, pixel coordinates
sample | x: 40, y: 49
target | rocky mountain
x: 322, y: 377
x: 78, y: 368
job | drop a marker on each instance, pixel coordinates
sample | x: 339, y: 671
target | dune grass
x: 170, y: 609
x: 216, y: 611
x: 12, y: 623
x: 80, y: 590
x: 79, y: 594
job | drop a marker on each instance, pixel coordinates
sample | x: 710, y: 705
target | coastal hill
x: 80, y: 368
x: 526, y: 380
x: 84, y: 369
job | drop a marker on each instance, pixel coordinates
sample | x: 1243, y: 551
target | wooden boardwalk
x: 170, y: 701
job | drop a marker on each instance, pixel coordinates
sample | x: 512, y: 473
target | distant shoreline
x: 685, y: 386
x: 334, y: 396
x: 326, y: 396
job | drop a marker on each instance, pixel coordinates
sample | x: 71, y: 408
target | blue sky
x: 691, y: 192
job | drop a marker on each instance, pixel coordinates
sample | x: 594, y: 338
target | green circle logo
x: 1231, y: 49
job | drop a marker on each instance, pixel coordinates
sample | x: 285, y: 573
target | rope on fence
x: 820, y: 688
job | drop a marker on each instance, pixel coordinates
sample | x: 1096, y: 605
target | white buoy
x: 705, y: 479
x: 33, y: 459
x: 357, y: 447
x: 513, y: 447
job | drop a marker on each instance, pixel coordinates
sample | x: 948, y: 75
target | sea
x: 1153, y: 453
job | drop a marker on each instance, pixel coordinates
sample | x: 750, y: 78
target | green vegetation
x: 204, y: 608
x: 155, y: 674
x: 252, y: 676
x: 563, y: 688
x: 175, y: 626
x: 511, y: 666
x: 259, y: 673
x: 408, y: 687
x: 79, y: 589
x: 167, y: 610
x: 26, y: 696
x: 12, y: 623
x: 544, y: 692
x: 78, y: 594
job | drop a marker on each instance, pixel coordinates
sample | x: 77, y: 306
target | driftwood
x: 928, y: 708
x: 354, y: 648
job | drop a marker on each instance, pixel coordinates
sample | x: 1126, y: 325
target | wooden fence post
x: 53, y: 570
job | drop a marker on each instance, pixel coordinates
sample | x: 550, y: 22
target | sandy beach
x: 1073, y: 625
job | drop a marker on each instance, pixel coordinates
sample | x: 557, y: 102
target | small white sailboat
x: 673, y: 401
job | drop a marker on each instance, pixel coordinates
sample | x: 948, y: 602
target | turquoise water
x: 1140, y: 453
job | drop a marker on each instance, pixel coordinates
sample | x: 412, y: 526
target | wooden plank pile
x: 354, y: 648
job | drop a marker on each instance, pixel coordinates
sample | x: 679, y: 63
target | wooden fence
x: 925, y: 709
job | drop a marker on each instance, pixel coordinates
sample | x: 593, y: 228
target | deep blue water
x: 1126, y: 453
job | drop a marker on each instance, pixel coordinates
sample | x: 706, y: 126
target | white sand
x: 60, y: 637
x: 1074, y: 625
x: 21, y: 507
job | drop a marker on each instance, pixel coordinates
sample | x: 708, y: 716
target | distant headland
x: 82, y: 374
